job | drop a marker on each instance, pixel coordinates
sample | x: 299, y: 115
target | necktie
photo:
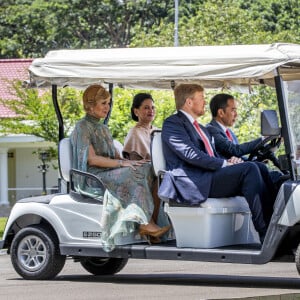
x: 229, y: 135
x: 204, y: 138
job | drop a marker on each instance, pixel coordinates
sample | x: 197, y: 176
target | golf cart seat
x: 77, y: 182
x: 87, y: 187
x: 65, y: 158
x: 119, y: 146
x: 216, y: 222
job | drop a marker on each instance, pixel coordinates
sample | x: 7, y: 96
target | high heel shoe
x: 157, y: 233
x: 153, y: 236
x: 154, y: 240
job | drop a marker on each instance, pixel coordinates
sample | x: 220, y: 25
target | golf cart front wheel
x: 35, y: 253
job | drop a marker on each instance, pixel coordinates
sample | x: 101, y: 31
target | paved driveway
x: 154, y: 279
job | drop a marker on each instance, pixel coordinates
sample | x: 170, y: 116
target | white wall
x: 29, y: 176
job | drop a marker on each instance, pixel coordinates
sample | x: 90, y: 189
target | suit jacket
x: 224, y: 146
x: 189, y: 167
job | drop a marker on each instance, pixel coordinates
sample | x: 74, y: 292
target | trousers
x: 270, y: 179
x: 243, y: 179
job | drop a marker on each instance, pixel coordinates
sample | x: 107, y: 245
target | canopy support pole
x: 110, y: 89
x: 285, y: 126
x: 60, y: 120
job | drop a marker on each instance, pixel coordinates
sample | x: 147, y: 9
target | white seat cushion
x: 157, y: 156
x: 118, y: 145
x: 65, y: 158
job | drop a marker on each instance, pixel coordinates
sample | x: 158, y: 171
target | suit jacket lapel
x: 189, y: 127
x: 211, y: 139
x: 216, y: 124
x: 191, y: 130
x: 235, y: 139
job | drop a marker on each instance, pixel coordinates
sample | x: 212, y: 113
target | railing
x: 15, y: 194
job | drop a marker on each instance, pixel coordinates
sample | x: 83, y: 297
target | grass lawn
x: 2, y: 224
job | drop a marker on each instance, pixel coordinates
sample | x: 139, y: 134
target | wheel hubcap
x: 32, y: 252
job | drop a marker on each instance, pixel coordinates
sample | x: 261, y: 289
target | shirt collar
x: 222, y: 126
x: 191, y: 119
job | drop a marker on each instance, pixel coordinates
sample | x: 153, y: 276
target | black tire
x: 103, y: 265
x: 35, y: 253
x: 297, y: 259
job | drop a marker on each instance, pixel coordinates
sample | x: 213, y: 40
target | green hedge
x: 2, y: 224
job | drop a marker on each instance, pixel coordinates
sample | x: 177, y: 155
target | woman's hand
x: 106, y: 162
x: 132, y: 163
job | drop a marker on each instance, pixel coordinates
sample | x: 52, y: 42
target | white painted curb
x: 3, y: 251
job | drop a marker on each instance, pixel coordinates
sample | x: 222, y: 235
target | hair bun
x: 90, y: 93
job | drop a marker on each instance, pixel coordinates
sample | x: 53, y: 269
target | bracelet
x: 120, y: 163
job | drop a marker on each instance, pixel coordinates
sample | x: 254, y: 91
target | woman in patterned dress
x: 129, y: 182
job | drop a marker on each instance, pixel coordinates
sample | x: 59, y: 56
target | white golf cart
x: 41, y: 232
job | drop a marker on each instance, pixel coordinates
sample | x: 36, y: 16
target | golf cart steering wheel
x: 265, y: 150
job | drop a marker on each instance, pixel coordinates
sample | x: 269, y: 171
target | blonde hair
x: 92, y: 95
x: 184, y: 91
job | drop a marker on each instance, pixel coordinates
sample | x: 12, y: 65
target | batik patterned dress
x: 128, y: 199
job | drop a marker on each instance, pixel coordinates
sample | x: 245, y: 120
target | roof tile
x: 11, y: 69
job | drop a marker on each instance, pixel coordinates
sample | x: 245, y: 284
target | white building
x: 20, y: 175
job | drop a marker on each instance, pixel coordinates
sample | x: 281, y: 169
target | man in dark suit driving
x: 223, y: 108
x: 195, y: 170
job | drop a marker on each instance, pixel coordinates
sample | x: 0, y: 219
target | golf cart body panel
x: 73, y: 218
x: 291, y: 214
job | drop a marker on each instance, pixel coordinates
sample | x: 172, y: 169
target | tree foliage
x: 36, y: 115
x: 121, y: 120
x: 223, y: 22
x: 30, y: 28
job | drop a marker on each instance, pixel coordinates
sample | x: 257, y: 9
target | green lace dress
x: 128, y: 199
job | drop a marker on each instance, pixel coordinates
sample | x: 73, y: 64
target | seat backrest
x: 157, y: 156
x: 65, y: 158
x: 119, y: 147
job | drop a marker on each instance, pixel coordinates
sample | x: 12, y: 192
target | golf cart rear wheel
x: 103, y: 265
x: 297, y: 259
x: 35, y: 253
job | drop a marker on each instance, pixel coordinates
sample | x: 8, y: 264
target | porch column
x: 3, y: 177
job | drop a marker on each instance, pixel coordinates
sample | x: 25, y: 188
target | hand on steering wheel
x: 265, y: 149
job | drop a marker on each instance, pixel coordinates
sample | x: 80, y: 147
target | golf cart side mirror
x: 269, y: 123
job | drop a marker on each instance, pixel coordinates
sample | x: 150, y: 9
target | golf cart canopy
x: 163, y: 67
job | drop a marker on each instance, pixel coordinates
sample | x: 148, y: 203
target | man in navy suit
x: 194, y: 169
x: 223, y: 108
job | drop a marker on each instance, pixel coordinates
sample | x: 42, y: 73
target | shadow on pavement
x: 191, y: 279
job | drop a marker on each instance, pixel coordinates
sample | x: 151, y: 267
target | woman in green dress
x: 129, y: 182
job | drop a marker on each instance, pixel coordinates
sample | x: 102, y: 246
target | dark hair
x: 218, y: 101
x: 138, y: 99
